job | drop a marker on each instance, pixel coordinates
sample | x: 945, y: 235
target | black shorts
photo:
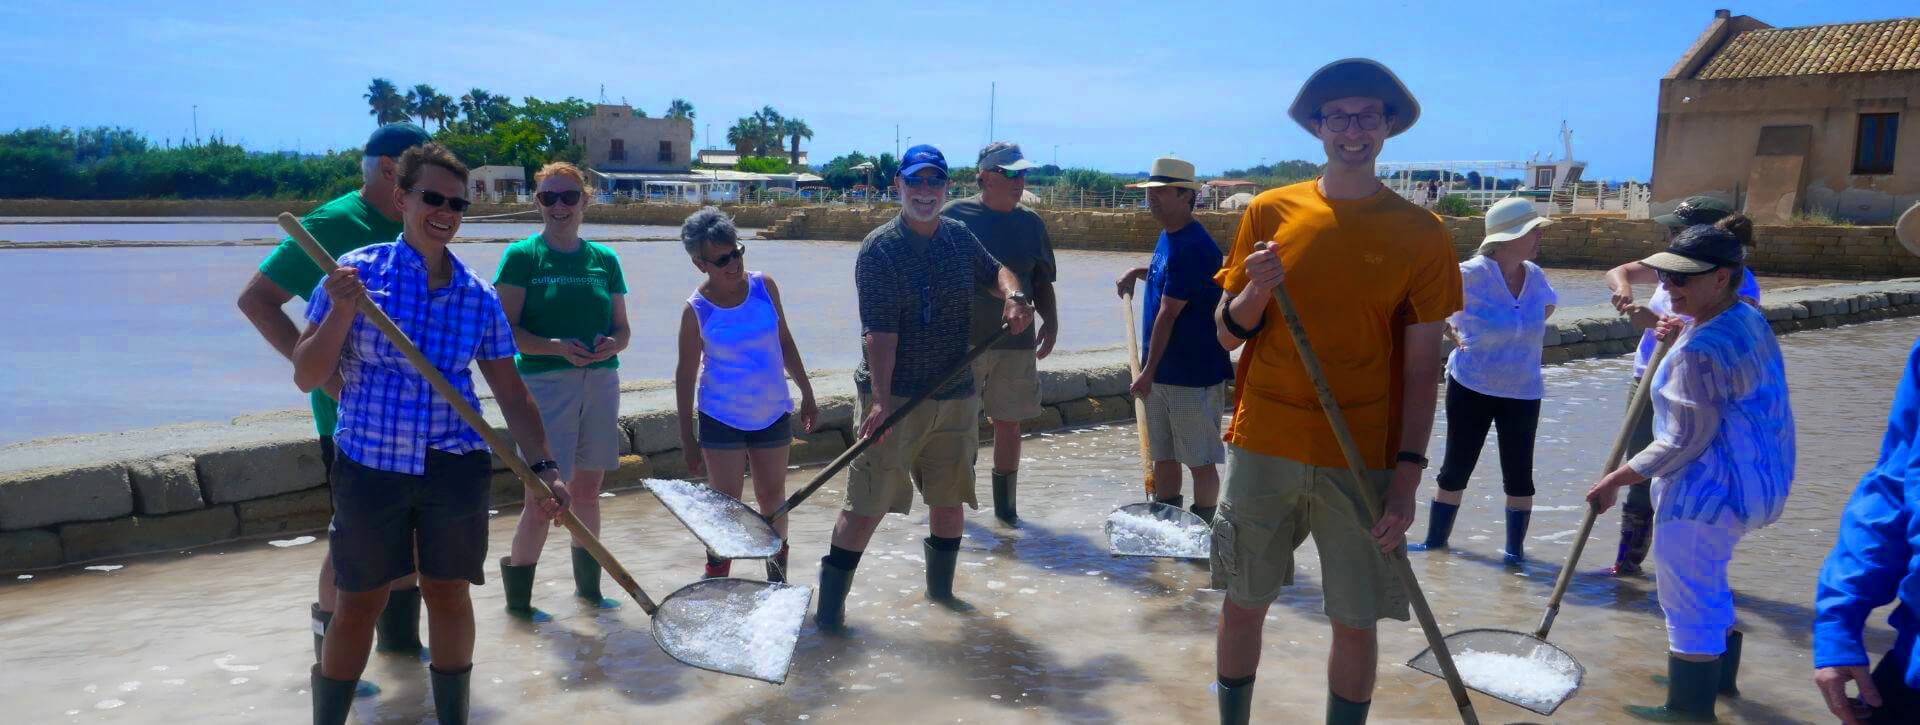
x: 384, y: 521
x: 720, y: 436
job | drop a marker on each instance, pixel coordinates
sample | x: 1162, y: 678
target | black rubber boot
x: 586, y: 579
x: 777, y: 566
x: 1517, y: 536
x: 1003, y: 490
x: 1636, y: 537
x: 517, y: 581
x: 322, y: 620
x: 1236, y: 703
x: 332, y: 699
x: 1174, y: 501
x: 1439, y: 526
x: 399, y: 624
x: 1342, y: 711
x: 1730, y: 665
x: 1204, y: 512
x: 940, y: 566
x: 1690, y: 692
x: 450, y: 695
x: 834, y: 584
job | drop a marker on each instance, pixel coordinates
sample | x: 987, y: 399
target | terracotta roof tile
x: 1871, y: 47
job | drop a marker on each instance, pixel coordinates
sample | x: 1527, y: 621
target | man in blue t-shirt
x: 1184, y: 371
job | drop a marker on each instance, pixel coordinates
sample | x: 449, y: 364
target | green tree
x: 769, y: 127
x: 420, y: 103
x: 762, y: 165
x: 385, y: 102
x: 796, y: 129
x: 743, y: 135
x: 680, y: 108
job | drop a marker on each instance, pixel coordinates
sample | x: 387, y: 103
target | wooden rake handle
x: 501, y: 447
x: 1139, y: 404
x: 1356, y: 464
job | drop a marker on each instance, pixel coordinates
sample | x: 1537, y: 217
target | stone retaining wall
x: 751, y: 216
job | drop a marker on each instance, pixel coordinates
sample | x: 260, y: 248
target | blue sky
x: 1111, y: 87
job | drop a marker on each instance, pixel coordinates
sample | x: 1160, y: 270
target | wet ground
x: 1060, y: 631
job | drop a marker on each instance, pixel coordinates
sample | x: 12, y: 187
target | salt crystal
x: 705, y: 511
x: 295, y: 541
x: 237, y: 681
x: 24, y: 577
x: 108, y: 704
x: 106, y: 567
x: 750, y: 632
x: 1143, y: 534
x: 1537, y: 678
x: 225, y: 662
x: 606, y: 494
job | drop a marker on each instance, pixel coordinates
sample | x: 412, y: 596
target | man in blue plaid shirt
x: 408, y: 472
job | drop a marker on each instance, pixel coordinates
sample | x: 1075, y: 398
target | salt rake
x: 757, y: 623
x: 1534, y: 646
x: 732, y: 530
x: 1357, y: 466
x: 1124, y: 543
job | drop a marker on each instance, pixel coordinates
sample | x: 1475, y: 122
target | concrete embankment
x: 76, y: 499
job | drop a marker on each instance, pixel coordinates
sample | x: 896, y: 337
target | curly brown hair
x: 424, y: 155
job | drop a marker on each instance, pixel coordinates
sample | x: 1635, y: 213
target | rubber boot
x: 940, y: 566
x: 1516, y: 536
x: 586, y: 579
x: 1003, y: 489
x: 399, y: 624
x: 1636, y: 537
x: 1236, y: 703
x: 1690, y: 692
x: 1204, y: 512
x: 450, y: 695
x: 518, y: 583
x: 1175, y: 501
x: 1440, y: 518
x: 1730, y: 665
x: 834, y: 585
x: 332, y: 699
x: 777, y: 566
x: 717, y: 568
x: 1342, y: 711
x: 322, y: 620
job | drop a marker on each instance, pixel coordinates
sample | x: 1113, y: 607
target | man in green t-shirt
x: 356, y: 219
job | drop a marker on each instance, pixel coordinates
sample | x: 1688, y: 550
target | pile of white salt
x: 725, y: 525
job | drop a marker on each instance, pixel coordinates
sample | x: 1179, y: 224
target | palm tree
x: 420, y: 102
x: 386, y: 105
x: 796, y: 129
x: 742, y: 136
x: 443, y: 108
x: 680, y: 108
x: 771, y: 128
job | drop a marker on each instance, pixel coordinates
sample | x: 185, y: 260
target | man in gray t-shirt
x: 1008, y: 377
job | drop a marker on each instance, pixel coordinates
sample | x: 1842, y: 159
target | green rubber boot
x: 1236, y: 703
x: 518, y: 583
x: 1690, y: 692
x: 1004, y: 486
x: 399, y: 624
x: 1342, y: 711
x: 322, y: 620
x: 450, y: 695
x: 940, y: 566
x: 586, y: 579
x: 834, y: 585
x: 332, y: 699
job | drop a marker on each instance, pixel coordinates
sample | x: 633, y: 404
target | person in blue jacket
x: 1876, y: 559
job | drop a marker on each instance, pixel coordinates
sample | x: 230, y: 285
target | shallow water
x: 255, y: 230
x: 1058, y: 631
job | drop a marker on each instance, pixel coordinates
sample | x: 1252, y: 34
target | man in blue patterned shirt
x: 915, y: 277
x: 410, y: 480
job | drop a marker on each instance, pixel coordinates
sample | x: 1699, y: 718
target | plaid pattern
x: 389, y: 415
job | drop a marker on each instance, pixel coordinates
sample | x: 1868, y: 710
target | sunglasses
x: 739, y: 251
x: 1680, y: 279
x: 437, y: 199
x: 1021, y: 174
x: 569, y: 197
x: 920, y: 181
x: 1340, y: 121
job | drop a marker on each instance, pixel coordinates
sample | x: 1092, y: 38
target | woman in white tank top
x: 731, y: 384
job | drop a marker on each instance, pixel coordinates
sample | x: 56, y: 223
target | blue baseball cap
x: 924, y: 156
x: 394, y: 139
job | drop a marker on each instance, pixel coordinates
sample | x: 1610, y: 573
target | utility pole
x: 896, y: 140
x: 992, y: 94
x: 196, y: 124
x: 1056, y: 156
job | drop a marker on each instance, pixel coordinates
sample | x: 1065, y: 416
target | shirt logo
x: 1371, y: 258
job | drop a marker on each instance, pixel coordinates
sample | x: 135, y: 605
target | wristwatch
x: 1413, y: 458
x: 1021, y: 297
x: 542, y: 466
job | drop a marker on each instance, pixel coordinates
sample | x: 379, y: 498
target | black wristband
x: 1413, y: 458
x: 1234, y: 328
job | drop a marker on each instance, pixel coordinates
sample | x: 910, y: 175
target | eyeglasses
x: 437, y: 199
x: 1338, y: 122
x: 1680, y: 279
x: 569, y: 197
x: 739, y: 251
x: 919, y: 181
x: 1021, y: 174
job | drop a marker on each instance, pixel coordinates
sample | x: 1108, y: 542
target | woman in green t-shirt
x: 566, y: 299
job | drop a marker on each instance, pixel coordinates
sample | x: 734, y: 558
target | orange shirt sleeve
x: 1256, y: 225
x: 1433, y: 289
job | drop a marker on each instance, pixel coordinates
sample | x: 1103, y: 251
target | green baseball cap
x: 394, y: 139
x: 1696, y: 210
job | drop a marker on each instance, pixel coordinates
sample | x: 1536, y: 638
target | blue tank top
x: 742, y: 369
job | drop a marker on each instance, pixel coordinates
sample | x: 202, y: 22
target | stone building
x: 1793, y: 120
x: 617, y: 140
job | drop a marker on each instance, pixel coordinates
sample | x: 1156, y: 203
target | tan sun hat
x: 1908, y: 230
x: 1355, y: 77
x: 1510, y: 219
x: 1169, y: 171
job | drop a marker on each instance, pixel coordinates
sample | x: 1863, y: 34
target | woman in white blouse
x: 1493, y: 374
x: 1721, y: 461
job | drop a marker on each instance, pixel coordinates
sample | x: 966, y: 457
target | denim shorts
x: 720, y: 436
x: 384, y: 521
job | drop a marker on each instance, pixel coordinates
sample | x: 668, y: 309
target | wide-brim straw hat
x: 1169, y: 171
x: 1509, y: 219
x: 1908, y: 230
x: 1351, y: 78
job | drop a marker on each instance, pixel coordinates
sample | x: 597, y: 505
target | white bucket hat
x: 1510, y: 219
x: 1908, y: 230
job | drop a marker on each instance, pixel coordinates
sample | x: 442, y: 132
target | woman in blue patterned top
x: 409, y: 480
x: 1721, y: 461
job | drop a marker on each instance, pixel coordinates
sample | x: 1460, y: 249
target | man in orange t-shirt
x: 1374, y: 278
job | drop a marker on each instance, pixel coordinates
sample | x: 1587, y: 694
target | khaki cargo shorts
x: 1268, y: 507
x: 1183, y: 424
x: 932, y: 449
x: 1008, y: 382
